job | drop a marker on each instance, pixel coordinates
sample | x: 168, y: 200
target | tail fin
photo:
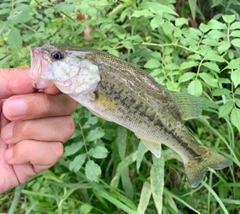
x: 197, y: 168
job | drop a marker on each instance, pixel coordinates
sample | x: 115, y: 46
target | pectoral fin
x: 155, y: 148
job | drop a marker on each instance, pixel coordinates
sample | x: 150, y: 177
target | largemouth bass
x: 123, y: 93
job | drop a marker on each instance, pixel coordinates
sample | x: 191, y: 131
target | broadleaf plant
x: 190, y: 46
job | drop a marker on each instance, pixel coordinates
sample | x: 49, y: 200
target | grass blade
x: 224, y: 209
x: 157, y: 182
x: 17, y: 194
x: 144, y: 198
x: 108, y: 196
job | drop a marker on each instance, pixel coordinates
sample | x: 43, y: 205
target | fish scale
x: 133, y: 108
x: 121, y: 92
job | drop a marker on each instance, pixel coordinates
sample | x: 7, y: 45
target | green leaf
x: 167, y: 28
x: 204, y: 28
x: 4, y: 27
x: 167, y: 51
x: 157, y: 182
x: 152, y: 63
x: 93, y: 171
x: 235, y: 118
x: 233, y: 64
x: 216, y: 34
x: 121, y: 140
x: 210, y: 42
x: 73, y: 148
x: 144, y: 198
x: 172, y: 66
x: 195, y: 88
x: 211, y: 66
x: 229, y: 18
x: 135, y: 38
x: 156, y: 22
x: 237, y: 91
x: 127, y: 184
x: 223, y: 46
x: 235, y: 25
x: 119, y: 200
x: 193, y: 7
x: 49, y: 175
x: 186, y: 76
x: 195, y: 57
x: 189, y: 64
x: 237, y: 101
x: 157, y: 8
x: 235, y: 77
x: 224, y: 81
x: 230, y: 54
x: 225, y: 109
x: 213, y: 56
x: 91, y: 121
x: 98, y: 152
x: 86, y: 208
x: 236, y: 42
x: 95, y: 134
x: 142, y: 149
x: 235, y: 33
x: 128, y: 45
x: 221, y: 92
x: 181, y: 21
x: 177, y: 33
x: 122, y: 166
x: 22, y: 14
x: 216, y: 25
x: 77, y: 163
x: 14, y: 39
x: 144, y: 13
x: 209, y: 79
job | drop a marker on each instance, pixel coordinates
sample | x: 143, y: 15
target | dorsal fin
x: 188, y: 105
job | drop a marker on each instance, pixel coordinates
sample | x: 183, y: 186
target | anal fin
x: 155, y: 148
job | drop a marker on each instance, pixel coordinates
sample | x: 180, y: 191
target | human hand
x: 33, y: 127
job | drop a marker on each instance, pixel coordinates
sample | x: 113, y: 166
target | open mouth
x: 39, y: 68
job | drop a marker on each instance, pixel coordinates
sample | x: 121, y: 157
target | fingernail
x: 9, y: 154
x: 14, y: 107
x: 7, y: 132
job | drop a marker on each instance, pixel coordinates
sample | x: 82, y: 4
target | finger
x: 17, y: 81
x: 24, y: 172
x: 43, y: 154
x: 38, y: 105
x: 58, y: 129
x: 51, y: 90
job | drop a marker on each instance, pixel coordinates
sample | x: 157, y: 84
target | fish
x: 123, y: 93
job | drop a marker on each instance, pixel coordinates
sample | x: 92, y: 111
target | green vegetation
x: 184, y: 45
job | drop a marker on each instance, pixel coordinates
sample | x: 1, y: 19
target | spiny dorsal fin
x: 188, y: 105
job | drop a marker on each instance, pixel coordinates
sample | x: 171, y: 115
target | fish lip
x: 39, y: 66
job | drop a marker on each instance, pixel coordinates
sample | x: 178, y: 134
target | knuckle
x: 70, y: 127
x: 24, y: 128
x: 73, y: 105
x: 57, y: 150
x: 22, y: 149
x: 46, y: 104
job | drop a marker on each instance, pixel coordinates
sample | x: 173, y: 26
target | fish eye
x: 57, y: 55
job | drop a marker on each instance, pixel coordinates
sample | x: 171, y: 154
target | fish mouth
x: 39, y: 68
